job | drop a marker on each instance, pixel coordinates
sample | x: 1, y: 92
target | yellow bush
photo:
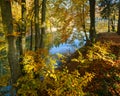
x: 42, y: 79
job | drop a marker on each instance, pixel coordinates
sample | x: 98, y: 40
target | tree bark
x: 8, y: 28
x: 84, y: 27
x: 112, y: 25
x: 92, y: 20
x: 108, y: 16
x: 23, y: 27
x: 43, y: 12
x: 31, y: 39
x: 109, y: 24
x: 37, y: 29
x: 118, y: 27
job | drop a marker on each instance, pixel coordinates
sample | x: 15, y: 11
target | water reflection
x: 70, y: 46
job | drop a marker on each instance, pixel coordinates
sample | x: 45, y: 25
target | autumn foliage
x: 92, y: 72
x: 100, y: 60
x: 42, y: 79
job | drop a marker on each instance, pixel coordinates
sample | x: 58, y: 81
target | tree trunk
x: 8, y: 28
x: 84, y: 27
x: 92, y: 21
x: 23, y: 27
x: 108, y: 24
x: 112, y: 25
x: 108, y: 16
x: 37, y: 29
x: 43, y: 12
x: 31, y: 39
x: 22, y: 37
x: 118, y: 28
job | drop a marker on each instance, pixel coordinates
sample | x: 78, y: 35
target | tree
x: 36, y: 20
x: 92, y: 20
x: 84, y: 26
x: 22, y: 30
x: 118, y: 28
x: 2, y: 48
x: 43, y: 13
x: 30, y: 14
x: 108, y: 11
x: 23, y: 27
x: 11, y: 38
x: 31, y: 36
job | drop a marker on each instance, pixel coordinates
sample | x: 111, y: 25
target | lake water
x: 70, y: 46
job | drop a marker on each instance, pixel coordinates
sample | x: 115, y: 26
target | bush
x: 99, y: 60
x: 42, y: 79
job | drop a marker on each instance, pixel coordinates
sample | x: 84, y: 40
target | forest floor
x: 112, y: 36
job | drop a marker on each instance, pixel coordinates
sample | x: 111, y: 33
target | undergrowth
x: 99, y: 60
x: 42, y: 79
x: 96, y: 73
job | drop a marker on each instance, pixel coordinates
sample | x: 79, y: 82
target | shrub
x: 42, y: 79
x: 99, y: 60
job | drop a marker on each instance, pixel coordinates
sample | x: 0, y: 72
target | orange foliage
x: 99, y: 60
